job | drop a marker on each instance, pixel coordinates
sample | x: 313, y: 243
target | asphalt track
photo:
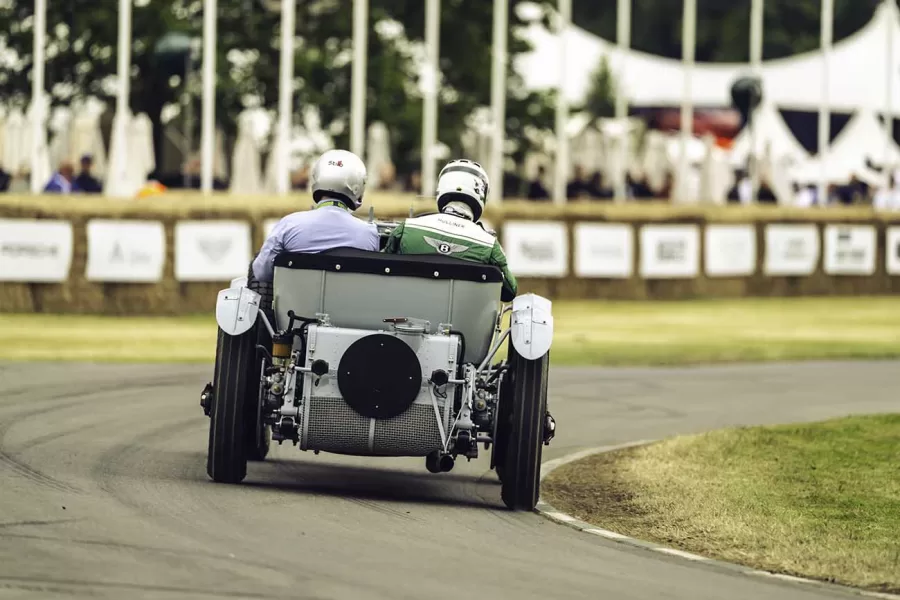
x: 104, y: 494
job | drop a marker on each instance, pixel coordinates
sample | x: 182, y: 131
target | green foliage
x: 600, y: 100
x: 82, y: 36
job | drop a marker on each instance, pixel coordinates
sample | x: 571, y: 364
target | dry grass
x: 819, y: 500
x: 193, y: 204
x: 586, y: 333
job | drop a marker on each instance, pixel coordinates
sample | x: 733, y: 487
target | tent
x: 859, y: 65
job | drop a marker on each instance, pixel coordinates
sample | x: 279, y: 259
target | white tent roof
x: 859, y: 65
x: 772, y: 134
x: 863, y: 137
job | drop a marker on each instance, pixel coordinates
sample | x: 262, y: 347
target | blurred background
x: 570, y: 100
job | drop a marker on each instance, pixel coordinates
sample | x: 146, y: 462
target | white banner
x: 670, y: 251
x: 536, y: 249
x: 125, y: 250
x: 892, y: 251
x: 604, y: 250
x: 729, y: 250
x: 850, y: 249
x: 791, y: 249
x: 35, y: 250
x: 211, y: 250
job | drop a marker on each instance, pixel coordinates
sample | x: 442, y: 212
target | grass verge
x: 819, y: 500
x: 586, y: 333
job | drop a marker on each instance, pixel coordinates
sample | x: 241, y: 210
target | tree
x: 82, y: 58
x: 600, y: 100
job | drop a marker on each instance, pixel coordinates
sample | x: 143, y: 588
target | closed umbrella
x: 14, y: 155
x: 378, y: 152
x: 246, y: 167
x: 87, y: 138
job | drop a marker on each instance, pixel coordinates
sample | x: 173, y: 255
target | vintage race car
x: 371, y: 354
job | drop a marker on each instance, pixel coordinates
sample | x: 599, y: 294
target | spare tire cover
x: 379, y: 376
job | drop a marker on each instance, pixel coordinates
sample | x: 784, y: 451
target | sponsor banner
x: 850, y: 249
x: 131, y: 251
x: 670, y: 251
x: 791, y: 249
x: 212, y: 250
x: 35, y: 250
x: 536, y: 249
x: 729, y: 250
x: 604, y: 250
x: 892, y: 249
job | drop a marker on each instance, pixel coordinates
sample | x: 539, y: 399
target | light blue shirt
x: 327, y: 226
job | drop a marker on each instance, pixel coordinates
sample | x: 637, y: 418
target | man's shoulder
x: 451, y: 226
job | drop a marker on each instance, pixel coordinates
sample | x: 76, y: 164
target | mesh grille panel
x: 414, y: 433
x: 334, y: 426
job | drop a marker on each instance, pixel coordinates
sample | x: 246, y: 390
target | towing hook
x: 206, y: 398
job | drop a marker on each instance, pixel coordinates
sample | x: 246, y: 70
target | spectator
x: 5, y: 179
x: 597, y: 188
x: 61, y: 181
x: 766, y: 195
x: 85, y: 182
x: 536, y: 189
x: 578, y: 187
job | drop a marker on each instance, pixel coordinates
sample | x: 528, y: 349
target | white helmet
x: 340, y: 175
x: 463, y: 182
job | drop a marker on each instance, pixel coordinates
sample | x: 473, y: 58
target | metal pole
x: 688, y: 43
x: 208, y: 125
x: 824, y: 108
x: 430, y: 108
x: 285, y: 95
x: 562, y: 107
x: 623, y: 41
x: 756, y: 40
x: 358, y: 89
x: 117, y: 173
x: 889, y: 98
x: 498, y: 98
x: 37, y: 92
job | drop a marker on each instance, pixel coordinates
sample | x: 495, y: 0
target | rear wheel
x: 227, y: 454
x: 523, y: 435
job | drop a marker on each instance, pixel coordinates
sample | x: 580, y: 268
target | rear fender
x: 531, y: 326
x: 236, y: 310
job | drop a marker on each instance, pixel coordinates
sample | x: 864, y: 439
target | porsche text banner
x: 729, y: 250
x: 35, y: 250
x: 850, y: 249
x: 536, y: 249
x: 604, y: 250
x: 791, y: 249
x: 126, y: 251
x: 670, y: 251
x: 211, y: 250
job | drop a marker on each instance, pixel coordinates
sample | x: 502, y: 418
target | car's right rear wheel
x: 524, y: 439
x: 227, y: 455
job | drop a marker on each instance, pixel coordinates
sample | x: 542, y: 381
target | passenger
x: 462, y: 190
x: 338, y: 182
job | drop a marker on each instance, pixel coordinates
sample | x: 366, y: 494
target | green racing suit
x: 449, y: 235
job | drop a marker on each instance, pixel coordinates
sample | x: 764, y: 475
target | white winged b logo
x: 444, y: 247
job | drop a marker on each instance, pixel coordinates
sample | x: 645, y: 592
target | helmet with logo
x: 339, y: 175
x: 462, y: 189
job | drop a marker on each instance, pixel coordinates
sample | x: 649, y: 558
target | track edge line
x: 551, y: 513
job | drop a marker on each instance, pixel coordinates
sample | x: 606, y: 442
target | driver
x: 338, y: 181
x: 462, y: 190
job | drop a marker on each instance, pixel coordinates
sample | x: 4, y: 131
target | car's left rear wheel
x: 227, y: 455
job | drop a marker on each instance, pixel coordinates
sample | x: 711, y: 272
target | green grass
x: 586, y: 333
x: 819, y: 500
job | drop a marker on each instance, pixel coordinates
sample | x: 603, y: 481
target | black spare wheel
x: 379, y: 376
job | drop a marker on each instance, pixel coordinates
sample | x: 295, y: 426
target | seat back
x: 359, y: 289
